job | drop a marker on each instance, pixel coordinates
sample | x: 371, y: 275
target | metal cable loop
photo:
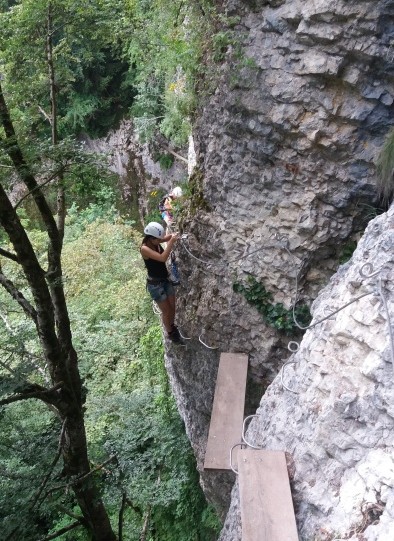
x: 282, y: 372
x: 366, y: 274
x: 193, y: 256
x: 329, y: 315
x: 231, y: 456
x: 362, y: 273
x: 204, y: 344
x: 293, y: 347
x: 183, y: 337
x: 244, y: 429
x: 225, y: 263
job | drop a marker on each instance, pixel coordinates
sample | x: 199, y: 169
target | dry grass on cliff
x: 385, y: 169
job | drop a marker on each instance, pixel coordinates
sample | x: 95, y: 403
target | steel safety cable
x: 384, y: 301
x: 362, y: 273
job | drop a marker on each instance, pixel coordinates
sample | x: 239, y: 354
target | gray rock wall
x: 286, y: 150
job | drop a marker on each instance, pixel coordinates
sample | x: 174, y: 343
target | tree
x: 94, y: 86
x: 48, y: 311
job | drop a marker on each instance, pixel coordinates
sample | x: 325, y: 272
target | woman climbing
x: 158, y: 284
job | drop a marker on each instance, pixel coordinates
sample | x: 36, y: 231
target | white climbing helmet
x: 154, y: 229
x: 177, y: 192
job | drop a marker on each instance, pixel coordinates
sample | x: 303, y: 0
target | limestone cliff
x: 335, y: 415
x: 284, y: 184
x: 284, y: 187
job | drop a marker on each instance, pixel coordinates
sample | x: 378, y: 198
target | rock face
x: 284, y: 185
x: 139, y: 173
x: 291, y: 152
x: 334, y: 415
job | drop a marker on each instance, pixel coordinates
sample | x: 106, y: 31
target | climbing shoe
x: 175, y: 330
x: 175, y: 337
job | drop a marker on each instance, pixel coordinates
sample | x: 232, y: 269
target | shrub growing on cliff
x: 275, y: 314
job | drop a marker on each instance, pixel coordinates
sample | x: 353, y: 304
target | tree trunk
x: 54, y: 332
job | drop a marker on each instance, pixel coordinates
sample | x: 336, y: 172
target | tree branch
x: 121, y: 513
x: 39, y: 186
x: 29, y: 310
x: 10, y: 255
x: 175, y: 154
x: 82, y: 478
x: 45, y: 114
x: 40, y: 392
x: 70, y: 513
x: 145, y: 526
x: 62, y: 531
x: 6, y: 367
x: 54, y: 462
x: 133, y: 507
x: 46, y: 329
x: 13, y: 150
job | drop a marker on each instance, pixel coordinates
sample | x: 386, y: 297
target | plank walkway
x: 227, y: 415
x: 267, y: 511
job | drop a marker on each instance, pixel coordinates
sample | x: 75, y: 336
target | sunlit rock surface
x: 335, y: 420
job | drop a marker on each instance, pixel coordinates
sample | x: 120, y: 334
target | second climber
x: 166, y: 205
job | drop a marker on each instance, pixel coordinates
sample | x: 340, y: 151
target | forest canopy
x: 92, y: 445
x: 112, y: 59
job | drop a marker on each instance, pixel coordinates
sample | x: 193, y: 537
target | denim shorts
x: 160, y: 292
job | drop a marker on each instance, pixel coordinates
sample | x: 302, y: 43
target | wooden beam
x: 227, y: 412
x: 267, y: 511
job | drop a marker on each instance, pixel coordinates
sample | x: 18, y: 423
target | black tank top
x: 156, y: 269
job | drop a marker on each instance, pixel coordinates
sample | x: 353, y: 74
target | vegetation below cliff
x: 144, y: 464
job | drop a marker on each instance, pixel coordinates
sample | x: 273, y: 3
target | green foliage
x: 165, y: 160
x: 148, y: 58
x: 94, y: 85
x: 129, y: 408
x: 175, y: 36
x: 153, y: 200
x: 385, y: 168
x: 347, y: 251
x: 221, y: 41
x: 193, y: 200
x: 130, y: 411
x: 275, y: 315
x: 27, y: 447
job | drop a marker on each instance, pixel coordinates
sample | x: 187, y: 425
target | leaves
x: 129, y: 408
x: 275, y: 315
